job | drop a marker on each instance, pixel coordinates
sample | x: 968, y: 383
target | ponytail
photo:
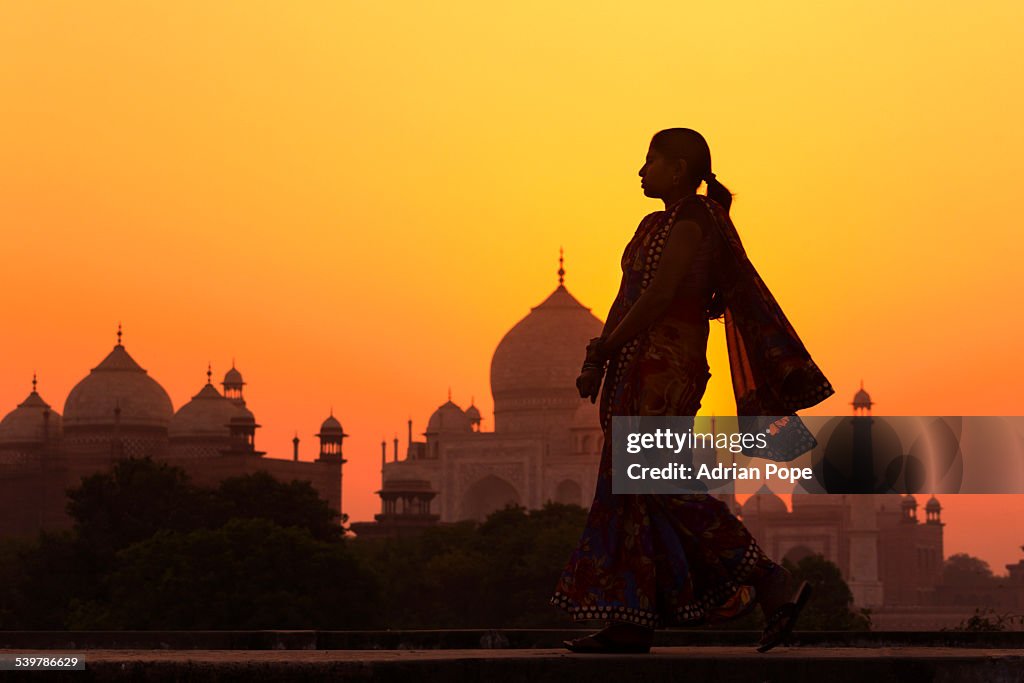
x: 719, y: 192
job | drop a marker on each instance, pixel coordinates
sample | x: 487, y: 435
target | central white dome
x: 544, y: 350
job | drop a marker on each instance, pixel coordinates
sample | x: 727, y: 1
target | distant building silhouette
x: 545, y: 444
x: 117, y: 411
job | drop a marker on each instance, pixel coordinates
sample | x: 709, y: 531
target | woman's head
x: 678, y: 160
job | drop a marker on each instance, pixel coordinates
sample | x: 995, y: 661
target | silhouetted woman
x: 645, y: 561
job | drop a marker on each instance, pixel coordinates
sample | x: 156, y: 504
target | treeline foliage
x: 830, y: 607
x: 961, y: 569
x: 496, y: 574
x: 151, y: 550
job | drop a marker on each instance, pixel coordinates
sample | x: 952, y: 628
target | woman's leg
x: 774, y: 588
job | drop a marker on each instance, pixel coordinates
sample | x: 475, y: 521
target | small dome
x: 208, y: 414
x: 909, y: 501
x: 763, y: 502
x: 862, y: 399
x: 331, y: 427
x: 473, y: 413
x: 117, y: 383
x: 233, y: 378
x: 24, y: 424
x: 448, y: 418
x: 933, y: 505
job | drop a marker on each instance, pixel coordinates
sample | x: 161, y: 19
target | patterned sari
x: 662, y: 560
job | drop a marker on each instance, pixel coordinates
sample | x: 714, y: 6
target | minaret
x: 473, y: 413
x: 863, y: 533
x: 331, y: 436
x: 233, y: 385
x: 295, y: 447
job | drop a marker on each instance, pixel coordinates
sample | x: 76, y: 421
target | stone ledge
x: 725, y: 664
x: 467, y: 639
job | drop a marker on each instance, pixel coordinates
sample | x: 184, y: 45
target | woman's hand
x: 595, y: 351
x: 589, y: 384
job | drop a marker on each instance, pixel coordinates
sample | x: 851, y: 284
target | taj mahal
x: 545, y: 443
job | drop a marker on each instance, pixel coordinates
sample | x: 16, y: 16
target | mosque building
x: 545, y: 443
x: 117, y: 411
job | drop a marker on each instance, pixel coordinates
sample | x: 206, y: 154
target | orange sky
x: 356, y: 200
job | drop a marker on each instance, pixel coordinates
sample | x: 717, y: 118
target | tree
x: 133, y: 501
x: 39, y: 578
x: 292, y: 504
x: 829, y: 608
x: 963, y: 569
x: 499, y: 573
x: 137, y: 500
x: 248, y: 574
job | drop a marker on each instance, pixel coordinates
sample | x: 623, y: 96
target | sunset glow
x: 355, y: 201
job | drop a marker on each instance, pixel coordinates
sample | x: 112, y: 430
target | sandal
x: 596, y: 643
x: 780, y: 624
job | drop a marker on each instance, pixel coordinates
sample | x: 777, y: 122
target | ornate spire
x: 119, y: 334
x: 209, y: 373
x: 561, y: 268
x: 449, y: 393
x: 33, y: 382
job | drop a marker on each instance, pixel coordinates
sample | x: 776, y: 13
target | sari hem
x: 694, y: 613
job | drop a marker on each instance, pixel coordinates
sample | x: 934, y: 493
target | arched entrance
x: 487, y: 495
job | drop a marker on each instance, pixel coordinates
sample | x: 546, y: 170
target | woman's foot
x: 780, y: 624
x: 616, y: 637
x: 781, y: 607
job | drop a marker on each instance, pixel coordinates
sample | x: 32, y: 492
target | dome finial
x: 119, y: 333
x: 33, y: 382
x: 561, y: 268
x: 209, y: 373
x: 449, y: 393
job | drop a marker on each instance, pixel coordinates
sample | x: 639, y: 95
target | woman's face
x: 660, y: 175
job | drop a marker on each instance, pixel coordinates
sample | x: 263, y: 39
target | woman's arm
x: 677, y: 255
